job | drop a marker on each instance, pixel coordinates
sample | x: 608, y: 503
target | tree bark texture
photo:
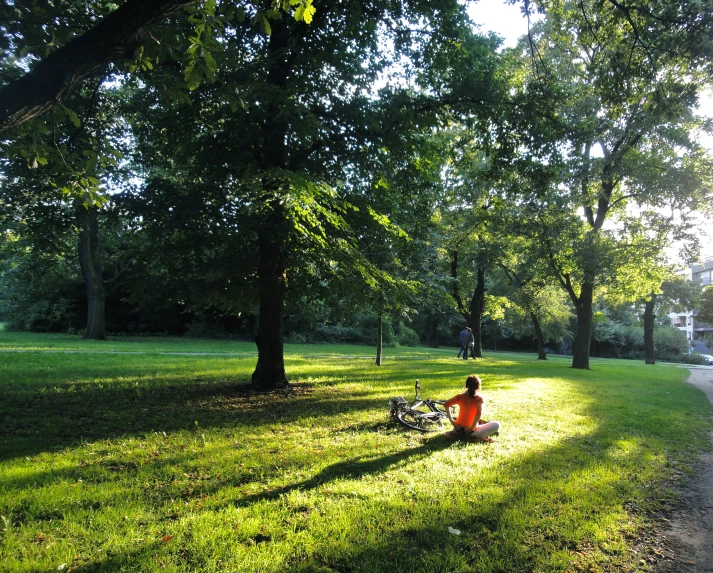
x: 114, y: 38
x: 272, y: 274
x: 649, y: 318
x: 454, y: 285
x: 90, y: 262
x: 583, y: 337
x: 477, y: 305
x: 379, y: 338
x: 539, y: 336
x: 270, y: 369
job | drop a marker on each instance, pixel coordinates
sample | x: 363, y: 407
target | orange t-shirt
x: 469, y: 408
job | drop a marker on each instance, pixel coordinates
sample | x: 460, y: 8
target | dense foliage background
x: 373, y: 172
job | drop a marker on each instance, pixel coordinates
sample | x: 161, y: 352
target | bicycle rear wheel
x: 421, y: 422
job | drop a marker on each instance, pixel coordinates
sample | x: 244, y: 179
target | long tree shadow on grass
x: 556, y: 522
x: 72, y: 401
x: 547, y: 521
x: 59, y: 412
x: 353, y: 468
x: 543, y: 521
x: 169, y: 408
x: 48, y: 421
x: 545, y: 493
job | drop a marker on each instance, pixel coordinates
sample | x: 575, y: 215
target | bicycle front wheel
x: 420, y: 422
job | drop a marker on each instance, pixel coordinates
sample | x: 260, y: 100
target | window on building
x: 704, y: 277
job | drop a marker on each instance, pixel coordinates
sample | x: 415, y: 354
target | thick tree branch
x: 603, y: 202
x: 563, y: 278
x: 589, y: 213
x: 456, y: 293
x: 114, y: 38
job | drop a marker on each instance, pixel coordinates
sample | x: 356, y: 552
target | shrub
x: 368, y: 324
x: 42, y: 297
x: 689, y: 359
x: 337, y: 333
x: 408, y: 337
x: 297, y: 338
x: 671, y: 344
x: 206, y: 330
x: 616, y: 340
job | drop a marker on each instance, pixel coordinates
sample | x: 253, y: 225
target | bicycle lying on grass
x: 422, y: 415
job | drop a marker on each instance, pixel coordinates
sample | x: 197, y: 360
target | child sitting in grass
x: 468, y: 424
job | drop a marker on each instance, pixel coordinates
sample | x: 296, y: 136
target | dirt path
x: 688, y: 536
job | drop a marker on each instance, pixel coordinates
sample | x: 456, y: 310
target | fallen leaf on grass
x: 166, y: 538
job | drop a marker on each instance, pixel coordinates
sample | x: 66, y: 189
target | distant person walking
x: 461, y: 340
x: 469, y: 344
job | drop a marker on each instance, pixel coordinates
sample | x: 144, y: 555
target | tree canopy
x: 374, y: 155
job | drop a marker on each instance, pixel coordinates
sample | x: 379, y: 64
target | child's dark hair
x: 472, y: 384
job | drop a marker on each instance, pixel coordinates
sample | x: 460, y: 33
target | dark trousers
x: 464, y: 350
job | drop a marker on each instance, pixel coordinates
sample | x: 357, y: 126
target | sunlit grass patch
x: 167, y: 463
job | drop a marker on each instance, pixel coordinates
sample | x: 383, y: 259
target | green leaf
x: 210, y: 61
x: 309, y: 13
x: 193, y: 78
x: 73, y: 117
x: 305, y: 11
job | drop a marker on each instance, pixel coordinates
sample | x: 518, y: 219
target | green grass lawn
x: 146, y: 461
x: 164, y: 344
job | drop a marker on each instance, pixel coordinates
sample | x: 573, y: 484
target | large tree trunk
x: 454, y: 286
x: 583, y: 337
x: 538, y: 335
x: 649, y: 318
x: 90, y: 262
x: 432, y: 333
x: 477, y: 305
x: 270, y: 369
x: 379, y: 337
x: 116, y: 37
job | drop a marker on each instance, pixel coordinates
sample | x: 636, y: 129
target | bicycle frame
x: 400, y: 404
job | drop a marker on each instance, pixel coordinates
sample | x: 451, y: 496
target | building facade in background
x: 698, y: 333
